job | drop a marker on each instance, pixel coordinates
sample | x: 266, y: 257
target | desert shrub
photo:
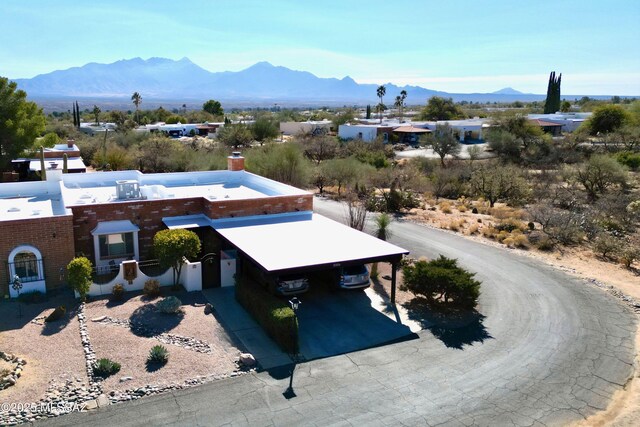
x: 445, y: 207
x: 105, y: 368
x: 545, y: 244
x: 274, y: 315
x: 151, y: 288
x: 462, y: 208
x: 456, y: 224
x: 509, y: 241
x: 79, y: 275
x: 509, y: 225
x: 32, y: 297
x: 473, y: 229
x: 502, y: 235
x: 629, y: 255
x: 629, y: 159
x: 606, y: 245
x: 503, y: 212
x: 56, y: 314
x: 158, y: 355
x: 117, y: 292
x: 520, y: 240
x: 441, y: 280
x: 489, y: 232
x: 170, y: 305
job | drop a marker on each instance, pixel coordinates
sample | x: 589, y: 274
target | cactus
x: 43, y: 172
x: 65, y: 160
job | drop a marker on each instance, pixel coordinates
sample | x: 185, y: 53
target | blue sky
x: 451, y: 45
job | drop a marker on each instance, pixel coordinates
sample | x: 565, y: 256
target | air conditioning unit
x: 127, y: 190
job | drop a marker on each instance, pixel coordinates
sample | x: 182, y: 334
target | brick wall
x: 53, y: 237
x: 148, y: 214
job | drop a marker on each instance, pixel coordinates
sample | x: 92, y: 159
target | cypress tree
x: 75, y: 123
x: 552, y: 103
x: 78, y: 115
x: 368, y: 111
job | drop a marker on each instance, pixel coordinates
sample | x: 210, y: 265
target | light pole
x: 295, y: 305
x: 17, y: 286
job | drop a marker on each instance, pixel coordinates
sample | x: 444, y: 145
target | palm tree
x: 400, y: 102
x: 96, y: 113
x: 381, y: 91
x: 137, y: 100
x: 382, y: 232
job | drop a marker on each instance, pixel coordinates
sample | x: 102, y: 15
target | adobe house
x: 111, y: 217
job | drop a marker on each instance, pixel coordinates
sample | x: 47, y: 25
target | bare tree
x: 356, y: 214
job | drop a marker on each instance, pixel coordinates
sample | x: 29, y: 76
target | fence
x: 104, y: 279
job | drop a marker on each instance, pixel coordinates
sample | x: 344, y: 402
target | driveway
x: 546, y: 349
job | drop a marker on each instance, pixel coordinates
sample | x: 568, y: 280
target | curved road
x: 549, y: 350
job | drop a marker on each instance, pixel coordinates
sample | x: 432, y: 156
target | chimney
x: 70, y: 143
x: 235, y: 162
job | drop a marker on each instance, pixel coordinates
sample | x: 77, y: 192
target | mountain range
x: 262, y: 83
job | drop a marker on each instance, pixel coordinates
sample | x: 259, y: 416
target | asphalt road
x: 546, y: 349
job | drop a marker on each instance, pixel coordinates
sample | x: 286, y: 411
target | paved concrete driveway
x: 337, y: 322
x: 558, y: 351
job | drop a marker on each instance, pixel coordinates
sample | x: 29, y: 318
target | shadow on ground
x: 455, y: 328
x: 147, y: 321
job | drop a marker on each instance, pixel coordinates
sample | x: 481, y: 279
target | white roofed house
x: 112, y: 217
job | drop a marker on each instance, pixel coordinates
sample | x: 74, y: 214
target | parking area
x: 333, y: 322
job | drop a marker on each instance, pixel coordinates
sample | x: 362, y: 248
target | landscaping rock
x: 247, y: 360
x: 123, y: 379
x: 103, y: 401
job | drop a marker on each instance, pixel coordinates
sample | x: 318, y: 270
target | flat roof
x: 302, y: 240
x: 96, y: 188
x: 72, y: 163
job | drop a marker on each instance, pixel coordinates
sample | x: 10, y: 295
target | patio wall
x: 190, y: 277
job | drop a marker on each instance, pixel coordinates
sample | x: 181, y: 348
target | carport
x: 299, y: 242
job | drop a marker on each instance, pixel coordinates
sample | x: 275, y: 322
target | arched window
x: 26, y: 263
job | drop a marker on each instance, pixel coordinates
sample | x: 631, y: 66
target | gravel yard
x: 53, y: 351
x: 199, y: 350
x: 130, y: 349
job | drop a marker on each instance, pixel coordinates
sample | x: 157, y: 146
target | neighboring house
x: 309, y: 127
x: 111, y: 217
x: 468, y: 131
x: 554, y: 129
x: 27, y: 167
x: 367, y: 133
x: 410, y: 134
x: 569, y: 121
x: 179, y: 130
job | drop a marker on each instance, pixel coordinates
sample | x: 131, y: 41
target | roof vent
x: 127, y: 190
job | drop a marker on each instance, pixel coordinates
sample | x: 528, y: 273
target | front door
x: 210, y: 271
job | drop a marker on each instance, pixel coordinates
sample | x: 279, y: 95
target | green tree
x: 264, y: 129
x: 565, y: 107
x: 21, y: 122
x: 79, y: 272
x: 158, y: 153
x: 552, y: 103
x: 439, y: 108
x: 607, y: 118
x: 235, y: 135
x: 213, y: 107
x: 495, y: 182
x: 96, y: 113
x: 49, y: 140
x: 137, y: 100
x: 443, y: 142
x: 280, y: 162
x: 600, y: 174
x: 368, y: 112
x: 381, y: 92
x: 345, y: 172
x: 172, y: 246
x: 441, y: 280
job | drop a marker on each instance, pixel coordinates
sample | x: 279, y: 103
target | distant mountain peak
x: 507, y: 91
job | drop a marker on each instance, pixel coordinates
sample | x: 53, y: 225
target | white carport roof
x: 302, y: 240
x: 187, y: 221
x: 73, y: 163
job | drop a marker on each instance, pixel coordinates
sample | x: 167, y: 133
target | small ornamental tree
x: 79, y: 272
x: 171, y: 246
x: 442, y: 280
